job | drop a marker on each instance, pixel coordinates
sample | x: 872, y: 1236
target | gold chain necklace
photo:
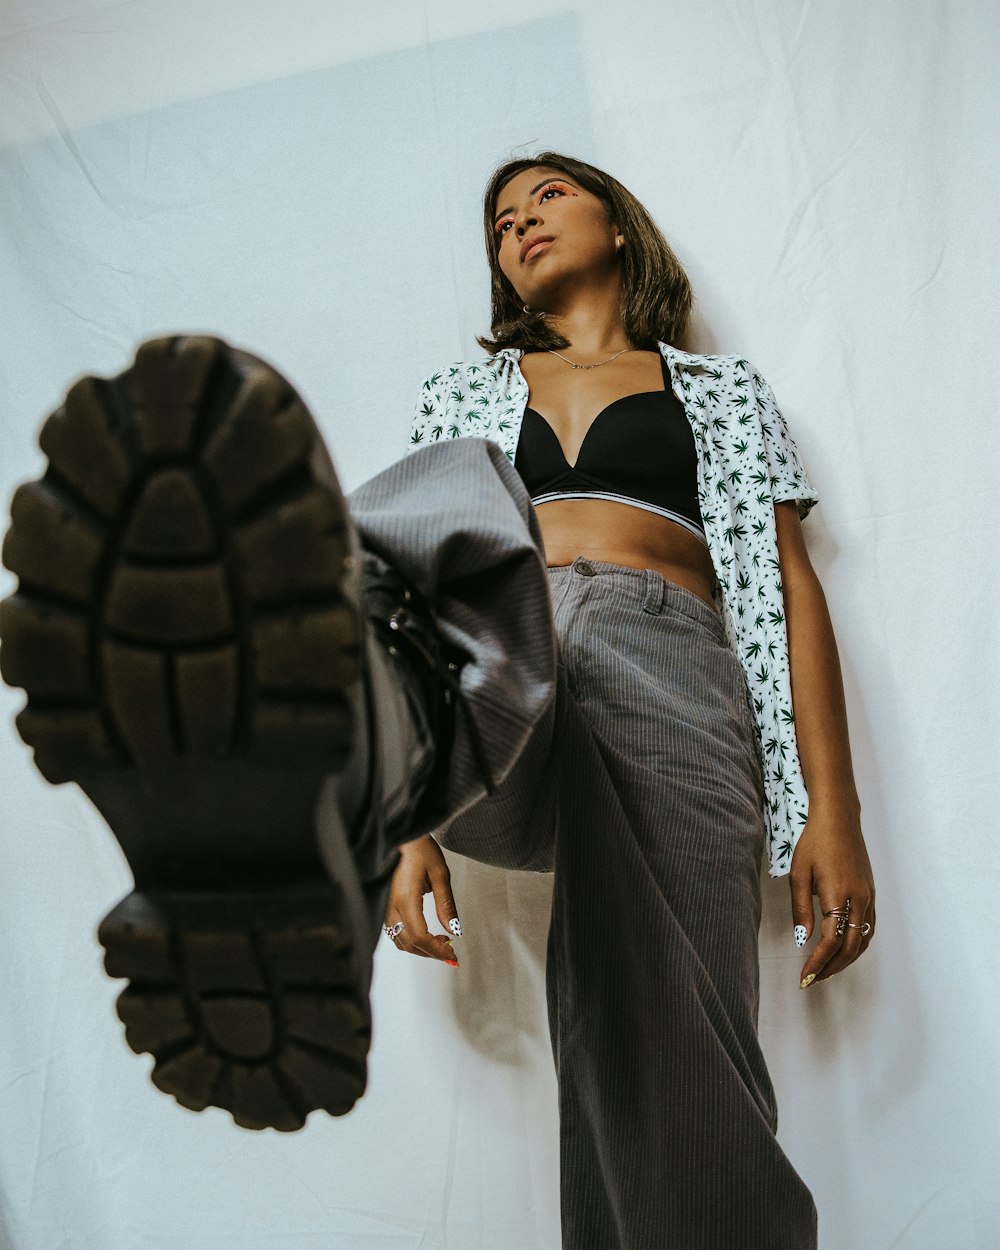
x: 595, y: 366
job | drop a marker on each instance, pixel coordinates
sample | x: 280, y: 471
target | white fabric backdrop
x: 305, y: 180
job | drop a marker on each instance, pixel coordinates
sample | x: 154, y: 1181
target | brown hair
x: 656, y: 292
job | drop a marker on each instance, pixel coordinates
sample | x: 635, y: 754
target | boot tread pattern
x: 175, y: 565
x: 261, y: 1021
x: 180, y: 606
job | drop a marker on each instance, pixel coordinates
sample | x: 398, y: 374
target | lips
x: 532, y: 243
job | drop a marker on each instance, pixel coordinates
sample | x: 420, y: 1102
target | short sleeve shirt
x: 747, y: 462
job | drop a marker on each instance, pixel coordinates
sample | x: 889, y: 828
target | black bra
x: 639, y: 450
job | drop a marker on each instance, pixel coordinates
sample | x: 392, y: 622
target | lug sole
x: 186, y: 630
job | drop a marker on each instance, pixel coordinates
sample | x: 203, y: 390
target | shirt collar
x: 672, y: 355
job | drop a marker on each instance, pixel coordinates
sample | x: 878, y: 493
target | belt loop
x: 653, y: 603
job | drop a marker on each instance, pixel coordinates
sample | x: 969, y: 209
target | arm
x: 830, y: 858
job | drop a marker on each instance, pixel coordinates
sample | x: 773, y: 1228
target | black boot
x: 406, y: 705
x: 192, y: 630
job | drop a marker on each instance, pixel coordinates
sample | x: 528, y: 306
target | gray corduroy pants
x: 615, y: 719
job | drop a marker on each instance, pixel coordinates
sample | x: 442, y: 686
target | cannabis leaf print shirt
x: 747, y: 462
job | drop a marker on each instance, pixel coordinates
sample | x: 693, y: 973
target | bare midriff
x: 598, y: 529
x: 616, y: 533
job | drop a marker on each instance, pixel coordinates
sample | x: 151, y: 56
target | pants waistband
x: 649, y: 585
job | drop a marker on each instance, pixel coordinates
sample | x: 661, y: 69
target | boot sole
x: 186, y: 633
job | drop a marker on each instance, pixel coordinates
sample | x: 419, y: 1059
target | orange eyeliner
x: 558, y: 186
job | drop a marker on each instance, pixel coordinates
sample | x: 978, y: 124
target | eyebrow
x: 537, y: 187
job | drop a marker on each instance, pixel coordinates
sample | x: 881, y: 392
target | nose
x: 524, y: 220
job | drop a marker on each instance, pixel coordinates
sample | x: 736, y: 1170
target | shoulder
x: 468, y: 398
x: 730, y: 363
x: 473, y: 389
x: 485, y: 369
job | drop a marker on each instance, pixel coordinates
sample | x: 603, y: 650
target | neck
x: 590, y: 319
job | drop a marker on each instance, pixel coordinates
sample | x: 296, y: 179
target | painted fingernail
x: 800, y: 935
x: 807, y: 981
x: 455, y: 926
x: 452, y: 962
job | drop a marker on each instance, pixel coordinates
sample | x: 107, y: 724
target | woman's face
x: 550, y: 232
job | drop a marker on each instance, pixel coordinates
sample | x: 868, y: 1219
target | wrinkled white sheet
x: 305, y: 180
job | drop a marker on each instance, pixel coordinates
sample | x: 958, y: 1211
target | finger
x: 866, y: 938
x: 392, y: 926
x: 803, y: 916
x: 416, y: 938
x: 854, y: 945
x: 839, y: 945
x: 825, y: 949
x: 444, y: 900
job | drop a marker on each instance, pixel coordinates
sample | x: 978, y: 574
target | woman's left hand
x: 831, y: 861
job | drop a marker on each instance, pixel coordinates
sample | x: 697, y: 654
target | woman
x: 600, y: 684
x: 578, y: 391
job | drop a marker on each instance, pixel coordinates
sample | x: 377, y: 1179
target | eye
x: 554, y: 188
x: 502, y: 225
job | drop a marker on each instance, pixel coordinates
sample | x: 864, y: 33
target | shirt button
x: 585, y: 569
